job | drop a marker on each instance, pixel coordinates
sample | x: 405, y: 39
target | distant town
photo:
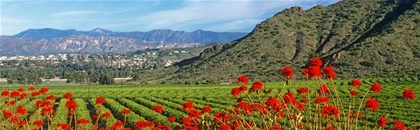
x: 137, y: 60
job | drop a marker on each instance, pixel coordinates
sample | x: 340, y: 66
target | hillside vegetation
x: 360, y: 38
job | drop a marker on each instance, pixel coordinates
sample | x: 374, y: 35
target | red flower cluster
x: 43, y: 90
x: 324, y: 90
x: 142, y: 124
x: 188, y: 106
x: 408, y: 94
x: 372, y: 104
x: 100, y: 100
x: 330, y: 110
x: 83, y: 121
x: 329, y: 72
x: 320, y: 100
x: 243, y: 79
x: 287, y: 72
x: 68, y: 95
x: 256, y: 86
x: 375, y: 87
x: 303, y: 90
x: 206, y: 109
x: 125, y: 111
x: 354, y: 93
x: 356, y: 83
x: 382, y: 122
x: 71, y: 104
x: 399, y: 125
x: 171, y: 118
x: 158, y: 109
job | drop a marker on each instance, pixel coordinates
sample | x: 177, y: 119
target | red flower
x: 329, y: 128
x: 5, y: 93
x: 372, y: 104
x: 243, y: 79
x: 47, y: 110
x: 71, y: 104
x: 273, y: 103
x: 23, y: 95
x: 316, y: 62
x: 256, y: 86
x: 171, y: 118
x: 35, y: 93
x: 100, y: 100
x: 31, y: 88
x: 288, y: 98
x: 235, y: 91
x: 245, y: 107
x: 21, y: 110
x: 287, y: 72
x: 276, y: 127
x: 144, y: 124
x: 158, y: 108
x: 408, y: 94
x: 38, y: 103
x: 375, y: 87
x: 354, y: 93
x: 43, y: 90
x: 38, y: 123
x: 324, y: 90
x: 382, y: 122
x: 13, y: 102
x: 329, y: 72
x: 125, y: 111
x: 188, y: 105
x: 314, y: 72
x: 194, y: 113
x: 206, y: 109
x: 243, y: 88
x: 330, y: 110
x: 83, y: 121
x: 399, y: 125
x: 21, y: 89
x: 305, y: 72
x: 224, y: 127
x: 356, y: 82
x: 303, y: 90
x: 304, y: 100
x: 15, y: 94
x: 320, y: 100
x: 107, y: 114
x: 51, y: 97
x: 64, y: 126
x: 7, y: 113
x: 68, y: 95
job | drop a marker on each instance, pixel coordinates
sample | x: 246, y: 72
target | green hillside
x: 360, y: 38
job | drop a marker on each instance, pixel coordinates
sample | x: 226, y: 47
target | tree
x: 106, y: 79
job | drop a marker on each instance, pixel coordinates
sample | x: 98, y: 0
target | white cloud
x: 73, y: 13
x: 212, y: 12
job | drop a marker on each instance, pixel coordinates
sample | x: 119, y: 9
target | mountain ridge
x: 375, y: 38
x: 49, y: 40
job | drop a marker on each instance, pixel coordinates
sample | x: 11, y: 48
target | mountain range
x: 48, y: 40
x: 360, y: 38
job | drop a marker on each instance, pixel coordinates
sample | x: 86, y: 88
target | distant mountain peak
x: 100, y: 30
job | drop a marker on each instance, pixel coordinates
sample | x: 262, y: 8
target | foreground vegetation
x: 141, y: 99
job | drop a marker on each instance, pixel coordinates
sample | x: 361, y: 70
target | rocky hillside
x: 360, y: 38
x: 47, y: 40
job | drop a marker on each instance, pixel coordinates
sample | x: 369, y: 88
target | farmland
x: 141, y: 99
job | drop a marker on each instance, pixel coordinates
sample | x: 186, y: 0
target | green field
x: 141, y: 98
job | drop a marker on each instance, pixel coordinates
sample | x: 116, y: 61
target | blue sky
x: 144, y: 15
